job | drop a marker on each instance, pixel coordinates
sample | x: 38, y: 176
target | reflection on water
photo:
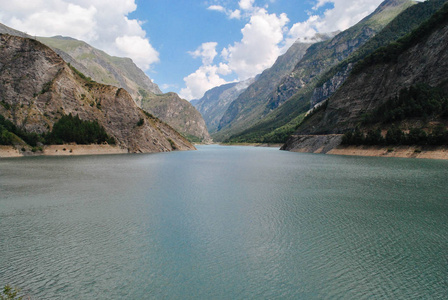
x: 224, y: 223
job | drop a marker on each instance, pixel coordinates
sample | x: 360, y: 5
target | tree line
x: 68, y: 129
x: 395, y: 136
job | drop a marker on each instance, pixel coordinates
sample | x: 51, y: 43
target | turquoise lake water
x: 224, y: 223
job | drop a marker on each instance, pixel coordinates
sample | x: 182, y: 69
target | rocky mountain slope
x: 250, y: 104
x: 122, y: 72
x: 290, y: 99
x: 181, y: 115
x: 215, y: 102
x: 101, y: 67
x: 37, y: 87
x: 399, y: 88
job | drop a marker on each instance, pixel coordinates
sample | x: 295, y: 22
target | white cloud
x: 345, y: 13
x: 204, y: 79
x: 141, y: 51
x: 259, y: 47
x: 266, y: 36
x: 207, y: 52
x: 101, y: 23
x: 217, y: 8
x: 232, y: 14
x: 236, y: 14
x: 321, y: 3
x: 246, y: 4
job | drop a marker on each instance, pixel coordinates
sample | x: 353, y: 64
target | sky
x: 188, y: 46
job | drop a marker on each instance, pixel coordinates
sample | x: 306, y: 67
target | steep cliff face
x: 179, y: 113
x: 37, y: 87
x: 216, y: 101
x: 421, y: 58
x: 94, y: 63
x: 297, y: 87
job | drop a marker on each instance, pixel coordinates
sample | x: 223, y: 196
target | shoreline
x: 331, y: 144
x: 267, y: 145
x: 62, y: 150
x: 397, y: 151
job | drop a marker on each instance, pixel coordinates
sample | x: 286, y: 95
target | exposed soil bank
x: 252, y: 144
x: 399, y: 151
x: 330, y: 144
x: 63, y: 150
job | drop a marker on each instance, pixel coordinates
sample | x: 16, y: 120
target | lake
x: 224, y: 223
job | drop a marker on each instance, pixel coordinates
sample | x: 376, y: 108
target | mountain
x: 396, y: 95
x: 8, y: 30
x: 101, y: 67
x: 180, y: 114
x: 403, y: 24
x: 122, y: 72
x: 215, y: 102
x: 250, y: 103
x: 280, y: 112
x: 38, y: 88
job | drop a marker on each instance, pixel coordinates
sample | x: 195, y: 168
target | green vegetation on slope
x: 288, y: 115
x: 436, y: 136
x: 68, y: 129
x: 393, y: 50
x: 418, y: 101
x: 71, y: 129
x: 10, y: 133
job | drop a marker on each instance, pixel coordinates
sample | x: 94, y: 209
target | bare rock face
x: 179, y: 113
x: 37, y: 87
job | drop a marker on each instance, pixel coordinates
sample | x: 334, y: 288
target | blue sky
x: 188, y: 24
x: 188, y: 46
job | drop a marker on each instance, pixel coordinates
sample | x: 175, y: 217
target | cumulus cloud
x: 258, y: 48
x: 204, y: 79
x: 265, y: 36
x: 246, y: 4
x: 207, y: 52
x: 141, y: 51
x: 101, y: 23
x: 345, y: 13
